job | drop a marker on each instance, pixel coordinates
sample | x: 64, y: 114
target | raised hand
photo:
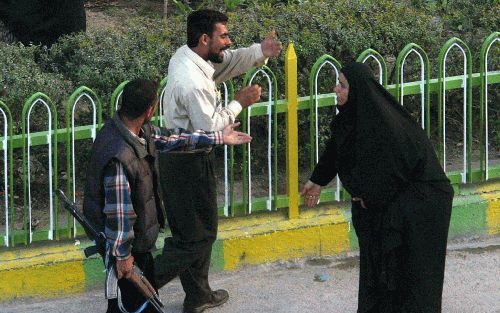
x: 271, y: 46
x: 232, y: 137
x: 248, y: 95
x: 311, y: 193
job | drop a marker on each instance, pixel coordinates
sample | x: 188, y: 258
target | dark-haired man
x: 122, y: 196
x: 193, y: 102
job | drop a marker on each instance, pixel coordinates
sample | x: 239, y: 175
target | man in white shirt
x: 189, y: 189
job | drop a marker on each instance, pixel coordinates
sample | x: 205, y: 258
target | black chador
x: 384, y: 157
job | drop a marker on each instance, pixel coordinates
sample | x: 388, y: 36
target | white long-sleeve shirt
x: 191, y: 100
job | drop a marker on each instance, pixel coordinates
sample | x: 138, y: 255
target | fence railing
x: 271, y: 108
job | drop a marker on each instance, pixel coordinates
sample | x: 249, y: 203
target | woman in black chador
x: 401, y: 198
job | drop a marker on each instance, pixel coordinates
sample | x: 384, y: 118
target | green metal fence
x: 272, y: 152
x: 51, y: 141
x: 8, y: 171
x: 73, y: 101
x: 272, y: 109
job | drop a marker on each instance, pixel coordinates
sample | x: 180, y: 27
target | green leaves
x: 21, y: 76
x: 231, y: 5
x: 142, y: 47
x: 186, y: 9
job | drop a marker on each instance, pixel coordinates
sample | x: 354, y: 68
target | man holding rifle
x: 122, y: 196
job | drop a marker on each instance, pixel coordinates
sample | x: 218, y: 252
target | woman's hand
x: 311, y: 193
x: 361, y: 202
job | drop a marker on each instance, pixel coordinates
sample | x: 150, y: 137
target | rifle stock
x: 146, y: 289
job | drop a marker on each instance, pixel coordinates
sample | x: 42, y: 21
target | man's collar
x: 205, y: 66
x: 132, y: 139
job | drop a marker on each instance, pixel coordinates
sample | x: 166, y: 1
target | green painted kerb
x: 353, y: 239
x: 217, y: 261
x: 94, y: 272
x: 468, y: 216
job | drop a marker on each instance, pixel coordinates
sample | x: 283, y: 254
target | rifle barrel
x: 71, y: 207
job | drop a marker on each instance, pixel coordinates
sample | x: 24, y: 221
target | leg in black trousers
x: 189, y: 195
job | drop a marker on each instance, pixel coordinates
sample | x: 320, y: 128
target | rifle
x: 137, y: 278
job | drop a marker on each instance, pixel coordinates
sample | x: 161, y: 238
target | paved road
x: 471, y: 286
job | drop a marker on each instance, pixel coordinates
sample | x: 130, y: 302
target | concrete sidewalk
x: 59, y: 268
x: 290, y: 286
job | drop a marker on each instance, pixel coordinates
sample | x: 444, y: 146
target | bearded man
x: 193, y: 102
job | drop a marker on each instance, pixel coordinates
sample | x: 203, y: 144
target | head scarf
x: 380, y: 146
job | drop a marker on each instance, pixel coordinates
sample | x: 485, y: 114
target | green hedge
x: 21, y: 76
x: 103, y: 59
x: 142, y: 47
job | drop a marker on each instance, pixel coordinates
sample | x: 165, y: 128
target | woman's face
x: 342, y: 90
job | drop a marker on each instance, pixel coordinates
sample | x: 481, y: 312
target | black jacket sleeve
x: 326, y: 169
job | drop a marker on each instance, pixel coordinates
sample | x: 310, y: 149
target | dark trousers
x: 130, y: 296
x: 189, y: 194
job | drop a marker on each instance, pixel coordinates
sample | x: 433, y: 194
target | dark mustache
x: 224, y: 48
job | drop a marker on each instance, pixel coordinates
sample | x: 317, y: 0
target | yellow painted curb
x: 491, y: 193
x: 28, y: 257
x: 41, y: 272
x: 271, y: 238
x: 43, y: 281
x: 282, y: 245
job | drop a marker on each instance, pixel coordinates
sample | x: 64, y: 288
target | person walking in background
x: 122, y: 197
x: 401, y: 197
x: 193, y: 102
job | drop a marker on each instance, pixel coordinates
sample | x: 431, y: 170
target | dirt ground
x: 110, y: 14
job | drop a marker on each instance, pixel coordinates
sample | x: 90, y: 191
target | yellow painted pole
x: 292, y: 156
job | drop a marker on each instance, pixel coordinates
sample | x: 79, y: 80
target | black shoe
x: 217, y: 298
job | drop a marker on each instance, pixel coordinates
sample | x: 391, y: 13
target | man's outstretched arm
x: 182, y: 140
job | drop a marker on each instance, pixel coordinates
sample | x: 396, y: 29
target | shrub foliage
x: 101, y: 59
